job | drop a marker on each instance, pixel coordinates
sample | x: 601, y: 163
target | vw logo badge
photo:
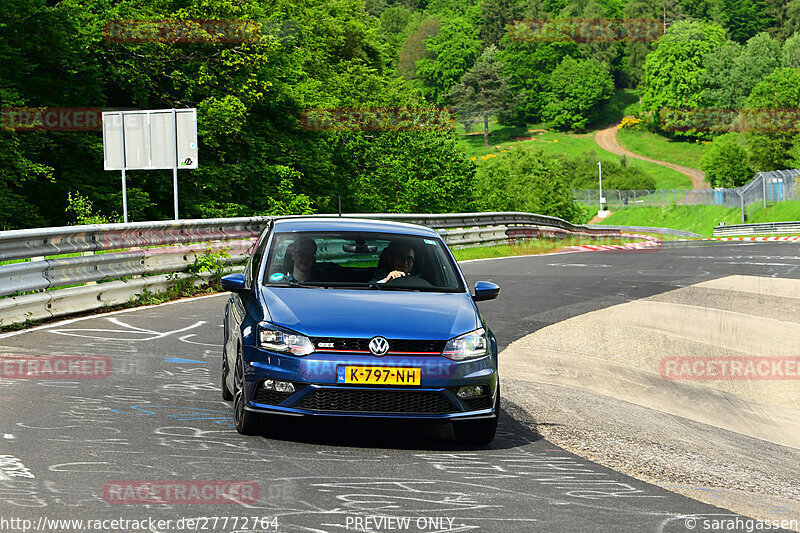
x: 378, y: 346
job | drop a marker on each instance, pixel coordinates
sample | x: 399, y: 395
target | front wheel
x: 479, y: 432
x: 245, y: 420
x: 227, y: 395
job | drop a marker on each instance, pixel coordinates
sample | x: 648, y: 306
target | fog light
x: 269, y: 384
x: 470, y: 391
x: 284, y: 386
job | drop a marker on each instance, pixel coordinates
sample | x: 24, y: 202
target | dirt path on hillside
x: 607, y: 140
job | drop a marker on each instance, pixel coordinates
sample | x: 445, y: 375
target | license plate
x: 377, y: 375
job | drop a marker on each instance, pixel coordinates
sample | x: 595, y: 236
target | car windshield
x: 379, y: 261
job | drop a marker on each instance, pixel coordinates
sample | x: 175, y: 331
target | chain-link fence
x: 765, y: 187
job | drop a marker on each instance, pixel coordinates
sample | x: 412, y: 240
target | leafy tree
x: 394, y: 21
x: 635, y: 51
x: 725, y: 162
x: 495, y: 16
x: 791, y: 21
x: 720, y: 76
x: 674, y: 69
x: 794, y: 155
x: 576, y: 90
x: 609, y: 52
x: 791, y: 51
x: 482, y: 92
x: 448, y: 55
x: 616, y: 174
x: 403, y: 172
x: 256, y: 158
x: 780, y: 90
x: 526, y: 180
x: 701, y: 9
x: 413, y: 49
x: 732, y: 71
x: 743, y: 18
x: 527, y: 66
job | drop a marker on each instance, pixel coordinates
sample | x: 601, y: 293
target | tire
x: 227, y: 395
x: 244, y: 420
x: 479, y: 432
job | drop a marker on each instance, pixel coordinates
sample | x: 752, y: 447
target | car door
x: 235, y: 308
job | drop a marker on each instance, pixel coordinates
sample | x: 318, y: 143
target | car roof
x: 323, y: 224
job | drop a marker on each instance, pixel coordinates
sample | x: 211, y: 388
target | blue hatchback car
x: 358, y: 318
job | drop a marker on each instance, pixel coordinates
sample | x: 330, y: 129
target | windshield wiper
x: 334, y: 284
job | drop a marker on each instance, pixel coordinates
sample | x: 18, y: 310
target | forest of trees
x: 256, y: 158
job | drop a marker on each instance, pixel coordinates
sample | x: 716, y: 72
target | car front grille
x: 481, y: 402
x: 270, y: 397
x: 377, y: 401
x: 395, y: 345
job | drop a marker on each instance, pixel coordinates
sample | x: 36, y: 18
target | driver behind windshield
x: 397, y: 260
x: 303, y: 256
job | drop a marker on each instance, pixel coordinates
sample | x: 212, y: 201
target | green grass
x: 527, y: 247
x: 660, y: 147
x: 780, y: 212
x: 569, y: 144
x: 473, y: 144
x: 701, y: 219
x: 557, y: 143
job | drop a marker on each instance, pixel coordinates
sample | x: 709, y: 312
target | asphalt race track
x: 158, y: 416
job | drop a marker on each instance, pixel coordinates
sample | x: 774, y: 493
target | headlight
x: 271, y: 337
x: 467, y: 346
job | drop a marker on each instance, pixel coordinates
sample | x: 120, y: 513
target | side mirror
x: 485, y: 290
x: 234, y: 282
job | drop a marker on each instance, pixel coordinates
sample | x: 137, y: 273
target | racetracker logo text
x: 730, y: 368
x: 51, y: 119
x: 180, y: 492
x: 55, y: 367
x: 722, y: 120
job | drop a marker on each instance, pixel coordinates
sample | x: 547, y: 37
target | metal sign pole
x: 122, y: 152
x: 175, y: 167
x: 600, y: 175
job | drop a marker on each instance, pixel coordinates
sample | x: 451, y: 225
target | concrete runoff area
x: 595, y: 385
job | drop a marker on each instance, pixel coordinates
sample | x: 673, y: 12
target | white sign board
x: 152, y: 139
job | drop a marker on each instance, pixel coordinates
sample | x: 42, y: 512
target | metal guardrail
x: 767, y: 228
x: 144, y: 251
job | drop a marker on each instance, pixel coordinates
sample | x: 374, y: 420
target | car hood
x: 367, y: 313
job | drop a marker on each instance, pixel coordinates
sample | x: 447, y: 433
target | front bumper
x: 318, y: 392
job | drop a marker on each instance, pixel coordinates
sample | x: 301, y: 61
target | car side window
x: 251, y: 272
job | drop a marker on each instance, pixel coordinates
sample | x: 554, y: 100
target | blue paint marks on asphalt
x: 179, y: 360
x: 177, y: 412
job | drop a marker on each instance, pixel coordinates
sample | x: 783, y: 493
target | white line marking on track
x: 153, y: 335
x: 577, y: 265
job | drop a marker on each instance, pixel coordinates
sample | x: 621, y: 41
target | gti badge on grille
x: 378, y: 346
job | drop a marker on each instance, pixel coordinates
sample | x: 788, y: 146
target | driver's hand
x: 394, y: 274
